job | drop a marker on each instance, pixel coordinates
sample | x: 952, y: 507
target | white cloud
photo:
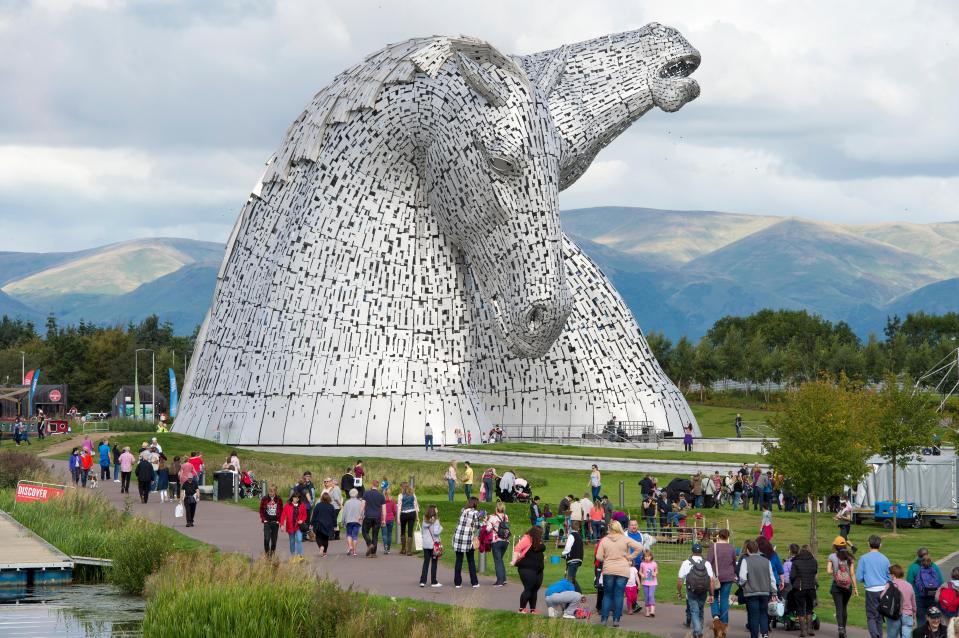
x: 142, y: 117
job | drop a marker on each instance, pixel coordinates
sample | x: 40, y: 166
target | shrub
x: 16, y: 465
x: 137, y: 551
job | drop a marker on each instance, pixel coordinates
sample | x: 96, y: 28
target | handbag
x: 418, y: 541
x: 437, y: 545
x: 178, y: 510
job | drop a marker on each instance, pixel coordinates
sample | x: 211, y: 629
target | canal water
x: 73, y: 611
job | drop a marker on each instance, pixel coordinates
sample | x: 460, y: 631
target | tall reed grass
x: 210, y: 594
x: 83, y: 523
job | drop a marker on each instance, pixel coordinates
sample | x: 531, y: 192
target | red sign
x: 55, y: 396
x: 28, y: 377
x: 29, y: 492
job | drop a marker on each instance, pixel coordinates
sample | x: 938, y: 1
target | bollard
x: 236, y: 488
x: 622, y: 495
x: 216, y: 491
x: 412, y: 481
x: 482, y: 562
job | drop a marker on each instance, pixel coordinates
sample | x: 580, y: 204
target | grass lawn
x: 719, y: 422
x: 619, y: 453
x: 551, y: 485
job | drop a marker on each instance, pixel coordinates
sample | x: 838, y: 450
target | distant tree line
x: 94, y: 361
x: 792, y: 346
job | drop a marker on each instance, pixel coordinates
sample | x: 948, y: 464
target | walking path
x: 524, y: 459
x: 234, y: 528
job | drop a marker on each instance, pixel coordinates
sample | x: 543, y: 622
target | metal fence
x: 620, y: 432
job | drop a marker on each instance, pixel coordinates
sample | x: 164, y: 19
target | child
x: 649, y: 572
x: 632, y: 589
x: 767, y: 525
x: 547, y: 514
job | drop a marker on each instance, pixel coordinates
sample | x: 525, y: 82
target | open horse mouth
x: 680, y: 67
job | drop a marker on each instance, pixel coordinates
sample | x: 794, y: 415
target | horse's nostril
x: 534, y: 319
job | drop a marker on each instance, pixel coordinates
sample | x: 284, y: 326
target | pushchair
x: 521, y: 492
x: 786, y: 612
x: 249, y: 486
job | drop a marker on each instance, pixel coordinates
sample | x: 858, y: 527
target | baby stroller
x: 786, y: 613
x: 520, y: 493
x: 249, y: 487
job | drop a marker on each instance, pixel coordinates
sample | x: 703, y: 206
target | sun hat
x: 839, y: 541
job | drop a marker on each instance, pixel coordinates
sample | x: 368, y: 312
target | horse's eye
x: 502, y: 165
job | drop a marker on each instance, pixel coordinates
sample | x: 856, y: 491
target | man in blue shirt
x: 104, y: 450
x: 873, y: 572
x: 562, y: 593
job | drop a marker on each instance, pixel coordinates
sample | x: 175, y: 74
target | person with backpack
x: 947, y: 597
x: 144, y: 472
x: 465, y: 541
x: 898, y: 607
x: 922, y: 602
x: 873, y: 572
x: 758, y: 584
x: 573, y: 553
x: 498, y: 526
x: 189, y: 497
x: 841, y: 566
x: 802, y: 577
x: 696, y: 575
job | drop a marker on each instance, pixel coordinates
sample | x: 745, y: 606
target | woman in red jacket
x: 86, y: 462
x: 293, y: 520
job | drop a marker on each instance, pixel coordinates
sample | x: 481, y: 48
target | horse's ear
x: 480, y: 80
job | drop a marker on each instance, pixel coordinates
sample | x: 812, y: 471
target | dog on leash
x: 719, y: 628
x: 92, y: 481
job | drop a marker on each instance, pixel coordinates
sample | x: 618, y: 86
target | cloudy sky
x: 136, y: 119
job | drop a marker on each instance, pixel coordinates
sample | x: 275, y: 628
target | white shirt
x: 594, y: 478
x: 587, y: 505
x: 687, y: 567
x: 428, y: 431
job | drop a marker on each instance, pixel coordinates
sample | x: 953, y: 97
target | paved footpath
x: 233, y: 528
x: 519, y: 459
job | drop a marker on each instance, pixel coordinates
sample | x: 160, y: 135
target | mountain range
x: 679, y: 271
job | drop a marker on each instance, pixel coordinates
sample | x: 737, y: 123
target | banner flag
x: 173, y: 394
x: 28, y: 377
x: 33, y: 389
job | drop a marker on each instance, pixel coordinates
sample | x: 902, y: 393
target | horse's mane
x: 359, y: 87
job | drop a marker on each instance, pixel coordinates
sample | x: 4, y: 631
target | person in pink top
x: 126, y: 469
x: 88, y: 445
x: 187, y: 471
x: 388, y: 522
x: 648, y: 574
x: 901, y: 627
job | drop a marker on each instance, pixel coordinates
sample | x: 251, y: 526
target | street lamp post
x: 23, y: 366
x: 136, y: 377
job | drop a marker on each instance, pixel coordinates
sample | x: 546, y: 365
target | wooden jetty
x: 26, y: 560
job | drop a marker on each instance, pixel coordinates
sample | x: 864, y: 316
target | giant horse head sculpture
x: 417, y: 182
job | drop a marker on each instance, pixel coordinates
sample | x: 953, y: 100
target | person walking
x: 467, y: 480
x: 615, y: 552
x: 722, y: 558
x: 189, y: 497
x: 759, y: 587
x: 126, y: 469
x: 271, y: 508
x: 766, y: 526
x: 86, y: 462
x: 74, y: 465
x: 947, y: 597
x: 562, y: 598
x: 293, y: 521
x: 739, y: 426
x: 498, y: 526
x: 902, y: 626
x: 757, y: 477
x: 163, y: 479
x: 428, y: 437
x: 374, y: 513
x: 353, y: 520
x: 432, y: 546
x: 464, y: 542
x: 649, y: 578
x: 922, y: 601
x: 841, y: 566
x: 802, y: 577
x: 451, y: 477
x: 688, y: 437
x: 573, y: 553
x: 336, y: 500
x: 175, y: 477
x: 323, y: 522
x: 873, y: 572
x: 696, y: 575
x: 595, y: 482
x: 115, y: 453
x: 738, y: 492
x: 409, y: 513
x: 104, y: 450
x: 388, y: 520
x: 489, y: 483
x: 145, y: 476
x: 528, y: 560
